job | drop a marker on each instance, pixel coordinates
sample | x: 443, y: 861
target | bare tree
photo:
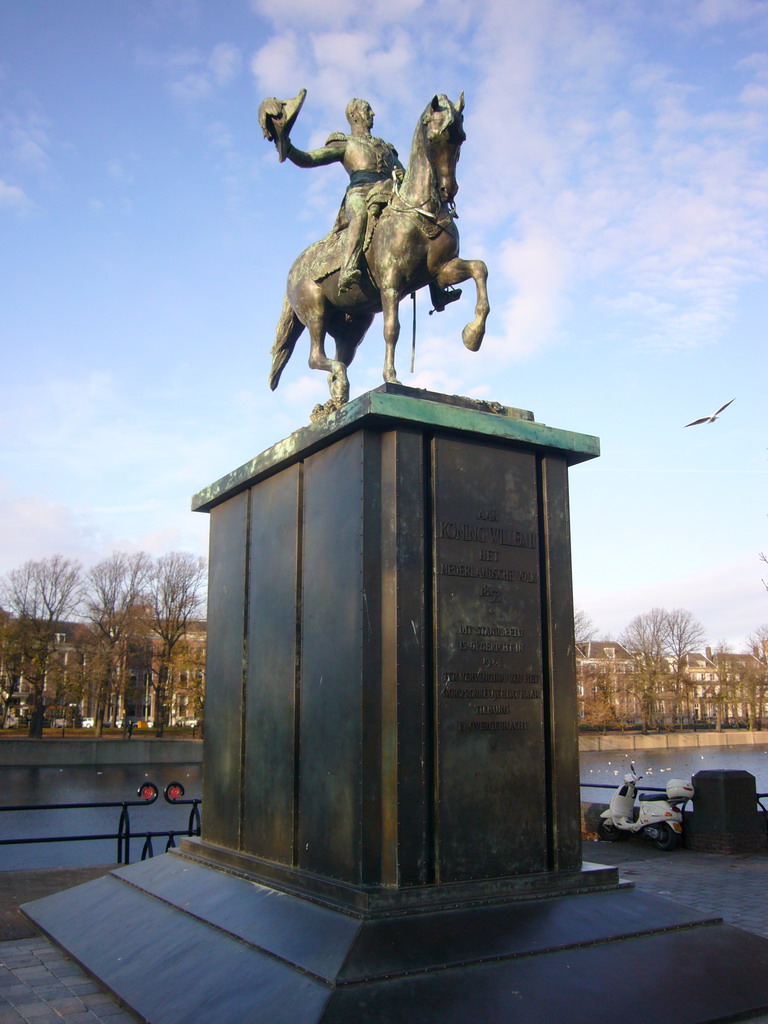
x: 41, y: 594
x: 10, y: 662
x: 646, y: 638
x: 723, y: 692
x: 685, y: 636
x: 599, y: 702
x: 175, y: 598
x: 756, y: 683
x: 584, y: 628
x: 757, y: 643
x: 115, y: 588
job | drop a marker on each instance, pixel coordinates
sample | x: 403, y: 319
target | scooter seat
x: 650, y: 797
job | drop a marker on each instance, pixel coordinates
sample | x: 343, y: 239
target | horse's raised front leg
x: 456, y: 271
x: 338, y: 382
x: 390, y: 300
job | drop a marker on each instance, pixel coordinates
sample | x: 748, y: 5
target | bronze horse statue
x: 415, y: 243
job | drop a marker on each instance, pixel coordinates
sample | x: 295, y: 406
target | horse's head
x: 443, y: 126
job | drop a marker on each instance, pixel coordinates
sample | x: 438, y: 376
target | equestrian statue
x: 395, y: 233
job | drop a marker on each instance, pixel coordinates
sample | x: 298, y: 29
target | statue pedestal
x: 391, y: 785
x: 404, y: 715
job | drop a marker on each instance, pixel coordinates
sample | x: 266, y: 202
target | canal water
x: 656, y: 766
x: 82, y: 785
x: 120, y: 782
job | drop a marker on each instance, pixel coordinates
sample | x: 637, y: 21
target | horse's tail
x: 289, y: 329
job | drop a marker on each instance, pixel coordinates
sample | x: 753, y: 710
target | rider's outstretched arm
x: 316, y: 157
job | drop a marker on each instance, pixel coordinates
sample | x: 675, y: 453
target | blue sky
x: 614, y: 179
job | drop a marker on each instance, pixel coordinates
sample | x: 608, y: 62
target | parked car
x: 88, y: 723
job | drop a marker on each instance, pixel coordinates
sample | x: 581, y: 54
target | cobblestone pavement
x: 40, y: 985
x: 732, y: 886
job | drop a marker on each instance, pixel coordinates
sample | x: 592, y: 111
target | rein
x: 413, y: 343
x: 399, y: 204
x: 412, y: 208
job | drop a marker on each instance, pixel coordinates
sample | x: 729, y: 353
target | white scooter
x: 659, y: 817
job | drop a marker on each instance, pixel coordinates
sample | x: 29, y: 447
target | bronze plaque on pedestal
x: 490, y: 762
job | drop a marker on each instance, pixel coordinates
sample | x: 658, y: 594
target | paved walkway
x: 734, y: 887
x: 40, y: 985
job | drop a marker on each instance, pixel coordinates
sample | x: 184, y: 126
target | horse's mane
x: 418, y: 143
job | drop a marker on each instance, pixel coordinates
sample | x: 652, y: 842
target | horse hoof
x: 472, y: 337
x: 338, y: 384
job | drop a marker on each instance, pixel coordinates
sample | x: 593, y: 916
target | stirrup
x: 443, y: 297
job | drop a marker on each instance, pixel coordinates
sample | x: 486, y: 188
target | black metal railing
x: 147, y: 794
x: 763, y: 808
x: 614, y: 786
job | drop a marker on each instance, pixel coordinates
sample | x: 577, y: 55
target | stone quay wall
x: 590, y: 742
x: 23, y: 753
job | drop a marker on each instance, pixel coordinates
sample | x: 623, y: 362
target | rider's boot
x: 348, y: 278
x: 442, y: 297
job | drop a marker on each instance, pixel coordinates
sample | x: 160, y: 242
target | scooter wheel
x: 608, y: 831
x: 668, y: 838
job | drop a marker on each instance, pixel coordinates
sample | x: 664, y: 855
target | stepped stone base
x: 200, y: 944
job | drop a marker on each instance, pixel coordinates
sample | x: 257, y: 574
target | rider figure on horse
x: 374, y: 170
x: 416, y: 243
x: 369, y: 162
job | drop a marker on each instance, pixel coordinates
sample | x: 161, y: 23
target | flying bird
x: 712, y: 418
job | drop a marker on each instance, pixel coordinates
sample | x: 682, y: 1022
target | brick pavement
x: 40, y: 985
x: 732, y: 886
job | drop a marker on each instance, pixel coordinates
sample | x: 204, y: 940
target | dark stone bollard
x: 725, y: 816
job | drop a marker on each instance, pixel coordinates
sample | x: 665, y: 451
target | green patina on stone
x: 394, y: 403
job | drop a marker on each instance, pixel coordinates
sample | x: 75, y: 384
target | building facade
x: 709, y: 689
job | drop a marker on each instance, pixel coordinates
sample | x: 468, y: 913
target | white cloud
x: 85, y: 432
x: 306, y: 390
x: 113, y: 478
x: 13, y: 198
x: 192, y: 75
x: 278, y: 66
x: 120, y: 169
x: 335, y: 12
x: 536, y: 268
x: 589, y: 163
x: 33, y: 526
x: 225, y: 63
x: 664, y: 201
x: 726, y: 599
x: 709, y: 13
x: 24, y: 146
x: 28, y: 139
x: 187, y: 11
